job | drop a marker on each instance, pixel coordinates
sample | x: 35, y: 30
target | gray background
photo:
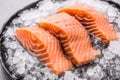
x: 7, y: 9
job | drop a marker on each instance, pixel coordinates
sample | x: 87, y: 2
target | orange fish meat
x: 73, y: 37
x: 45, y: 46
x: 95, y: 22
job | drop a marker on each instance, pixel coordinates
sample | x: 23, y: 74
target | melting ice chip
x: 69, y: 75
x: 31, y: 15
x: 10, y: 31
x: 114, y: 47
x: 47, y: 75
x: 17, y: 53
x: 108, y: 54
x: 112, y: 12
x: 90, y: 72
x: 30, y: 77
x: 95, y: 73
x: 13, y: 45
x: 20, y: 68
x: 16, y: 60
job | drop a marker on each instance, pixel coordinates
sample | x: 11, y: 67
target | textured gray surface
x: 7, y: 9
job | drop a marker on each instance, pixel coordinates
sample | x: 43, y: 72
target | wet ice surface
x: 26, y: 66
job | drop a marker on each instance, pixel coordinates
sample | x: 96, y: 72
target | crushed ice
x: 27, y: 66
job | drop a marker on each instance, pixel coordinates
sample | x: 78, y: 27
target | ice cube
x: 95, y: 73
x: 19, y: 48
x: 117, y: 67
x: 103, y: 62
x: 20, y: 65
x: 117, y: 61
x: 23, y: 57
x: 29, y: 77
x: 98, y: 70
x: 114, y: 47
x: 17, y: 21
x: 117, y: 75
x: 44, y: 70
x: 31, y: 59
x: 9, y: 61
x: 16, y: 60
x: 90, y: 72
x: 10, y: 52
x: 28, y: 23
x: 18, y: 53
x: 52, y: 76
x: 13, y: 45
x: 48, y: 75
x: 7, y: 44
x: 96, y: 60
x: 34, y: 78
x: 10, y: 31
x: 39, y: 75
x: 107, y: 54
x: 112, y: 12
x: 20, y: 70
x: 69, y: 76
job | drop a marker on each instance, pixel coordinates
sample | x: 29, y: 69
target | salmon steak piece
x: 45, y: 47
x: 73, y: 37
x: 95, y: 22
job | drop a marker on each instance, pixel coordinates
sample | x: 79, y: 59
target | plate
x: 101, y: 70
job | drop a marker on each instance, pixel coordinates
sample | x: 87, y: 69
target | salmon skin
x: 45, y: 46
x: 73, y: 37
x: 93, y: 21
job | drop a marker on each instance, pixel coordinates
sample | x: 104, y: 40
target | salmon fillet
x: 45, y: 46
x: 95, y: 22
x: 73, y: 37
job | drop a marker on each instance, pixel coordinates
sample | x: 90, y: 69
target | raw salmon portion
x: 73, y: 37
x: 95, y: 22
x: 45, y: 46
